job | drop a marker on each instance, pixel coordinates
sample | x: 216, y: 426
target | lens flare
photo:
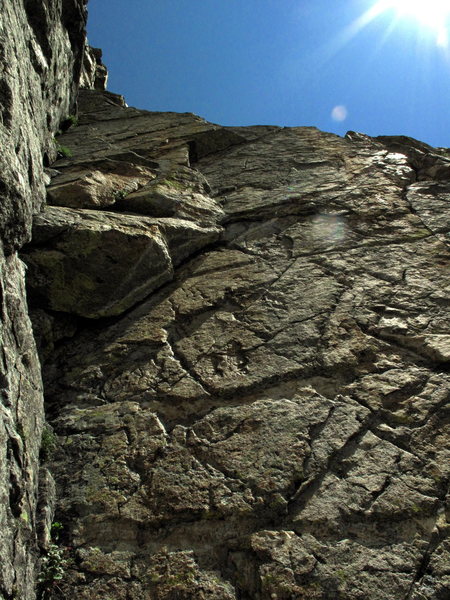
x: 328, y: 228
x: 339, y: 113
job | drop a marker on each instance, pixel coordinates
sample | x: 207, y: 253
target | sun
x: 431, y: 13
x: 430, y: 19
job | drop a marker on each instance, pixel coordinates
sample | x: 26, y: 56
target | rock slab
x: 264, y: 413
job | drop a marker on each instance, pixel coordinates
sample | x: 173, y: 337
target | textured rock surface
x: 21, y: 418
x: 41, y: 49
x: 97, y: 264
x: 246, y: 342
x: 269, y: 418
x: 94, y: 74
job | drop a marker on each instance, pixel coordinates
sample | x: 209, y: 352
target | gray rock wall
x: 41, y: 49
x: 246, y: 344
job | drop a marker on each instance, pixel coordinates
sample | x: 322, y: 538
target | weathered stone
x: 21, y: 419
x: 41, y: 61
x: 431, y: 202
x: 124, y: 159
x: 108, y: 128
x: 94, y: 74
x: 97, y: 264
x: 183, y: 194
x: 95, y: 188
x: 276, y: 413
x: 41, y: 49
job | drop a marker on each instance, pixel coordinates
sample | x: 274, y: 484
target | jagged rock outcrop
x: 94, y: 74
x: 263, y: 413
x: 41, y: 49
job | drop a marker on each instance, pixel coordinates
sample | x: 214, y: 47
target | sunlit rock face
x: 250, y: 381
x: 94, y: 74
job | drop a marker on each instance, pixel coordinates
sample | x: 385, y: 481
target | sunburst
x: 430, y: 14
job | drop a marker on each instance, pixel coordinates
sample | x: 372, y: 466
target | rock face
x: 41, y: 50
x: 264, y: 411
x: 245, y: 342
x: 94, y: 74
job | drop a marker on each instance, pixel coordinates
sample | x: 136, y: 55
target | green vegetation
x: 24, y: 516
x: 67, y: 123
x: 120, y: 195
x: 342, y: 575
x: 53, y: 564
x: 56, y: 530
x: 172, y: 183
x: 63, y: 151
x: 53, y: 569
x: 72, y: 119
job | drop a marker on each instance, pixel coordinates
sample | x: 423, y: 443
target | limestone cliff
x: 245, y: 343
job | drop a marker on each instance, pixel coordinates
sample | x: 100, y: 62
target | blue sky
x: 279, y: 62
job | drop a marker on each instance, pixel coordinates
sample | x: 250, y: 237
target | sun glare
x: 433, y: 15
x: 429, y: 13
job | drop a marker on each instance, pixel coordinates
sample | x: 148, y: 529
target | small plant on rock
x: 68, y: 123
x: 120, y: 195
x: 53, y: 569
x: 63, y: 151
x: 72, y: 119
x: 56, y: 530
x: 54, y: 564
